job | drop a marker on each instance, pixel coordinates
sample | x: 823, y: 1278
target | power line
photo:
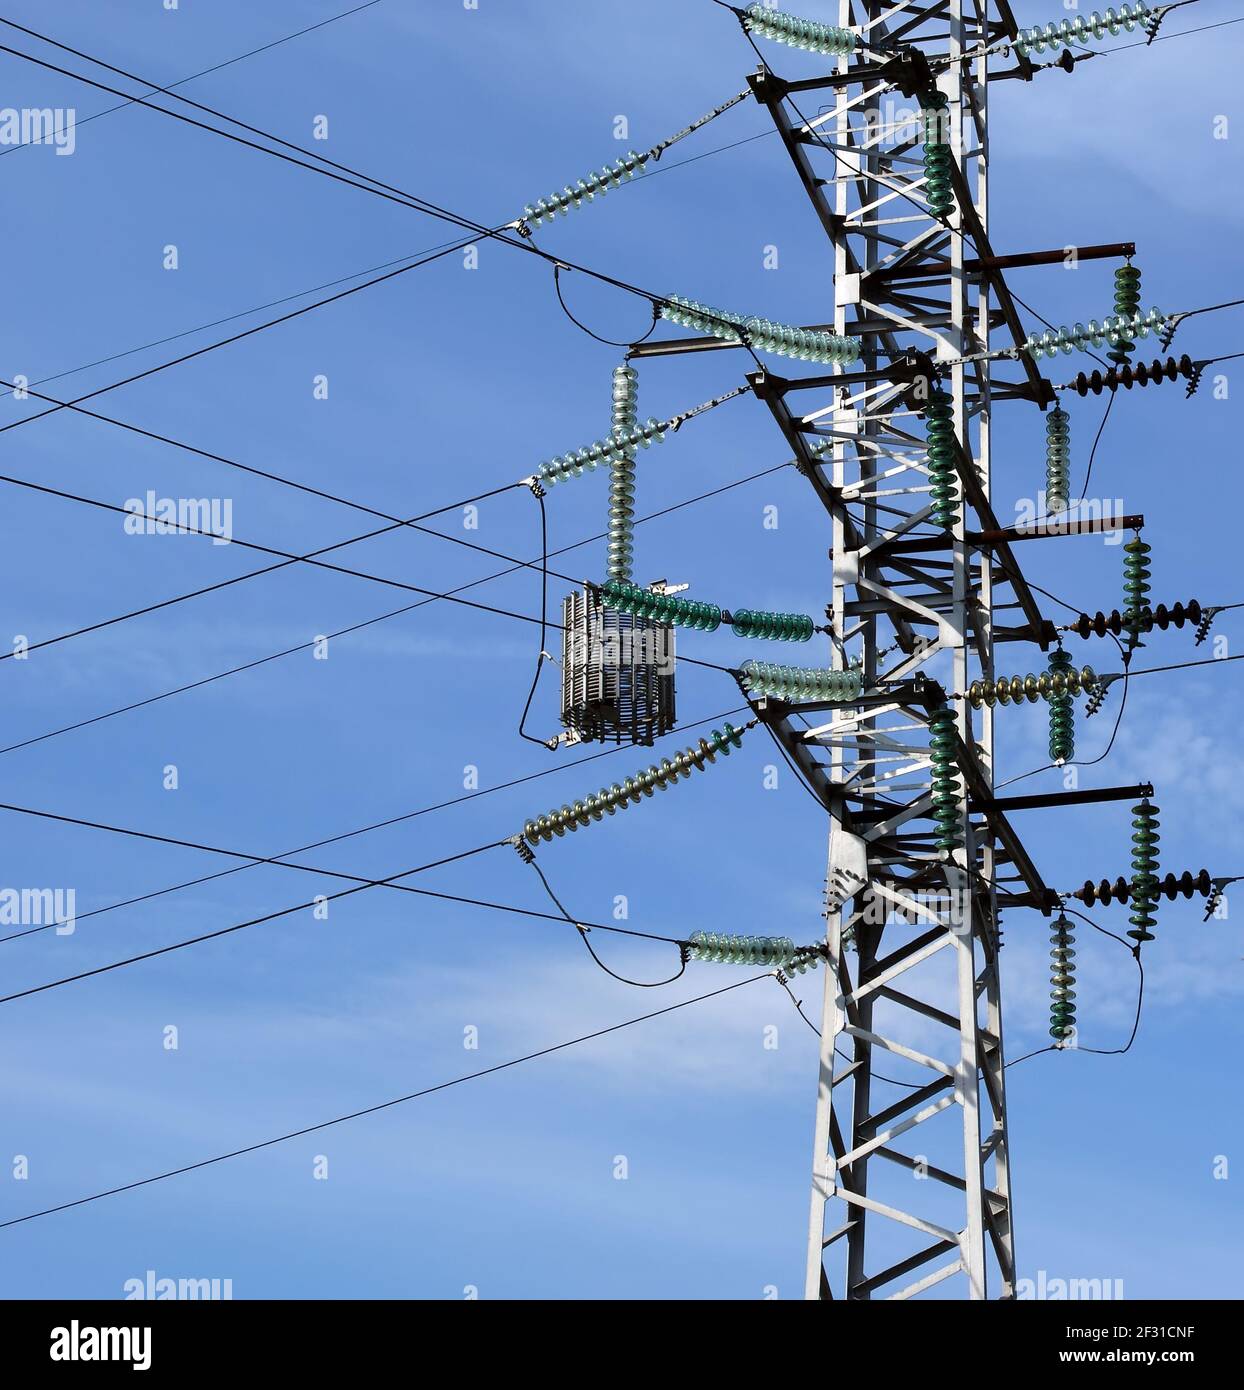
x: 283, y: 862
x: 384, y: 1105
x: 355, y: 627
x: 310, y: 559
x: 80, y: 121
x: 242, y: 926
x: 367, y: 829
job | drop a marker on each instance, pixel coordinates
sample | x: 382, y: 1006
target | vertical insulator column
x: 1057, y: 460
x: 1144, y: 891
x: 1062, y: 980
x: 622, y: 473
x: 1062, y: 710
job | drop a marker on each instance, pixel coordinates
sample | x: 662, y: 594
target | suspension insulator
x: 808, y: 34
x: 1136, y: 588
x: 1064, y: 32
x: 939, y: 190
x: 1126, y: 307
x: 1062, y: 979
x: 722, y: 949
x: 774, y: 627
x: 797, y: 683
x: 580, y: 461
x: 944, y: 779
x: 1057, y: 460
x: 1062, y: 710
x: 1144, y: 890
x: 661, y: 608
x: 1015, y: 690
x: 1185, y: 885
x: 804, y: 344
x: 621, y: 542
x: 1109, y: 333
x: 1160, y: 617
x: 596, y: 184
x: 630, y: 792
x: 939, y: 416
x: 1141, y: 374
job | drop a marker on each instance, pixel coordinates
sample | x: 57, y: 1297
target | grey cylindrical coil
x: 617, y: 672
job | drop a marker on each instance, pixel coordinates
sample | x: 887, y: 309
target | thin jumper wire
x: 367, y: 622
x: 256, y: 861
x: 384, y: 1105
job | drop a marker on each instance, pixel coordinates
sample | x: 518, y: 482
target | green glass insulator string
x: 938, y: 156
x: 1062, y: 33
x: 1057, y: 460
x: 1062, y: 980
x: 1062, y: 709
x: 631, y: 791
x: 671, y: 609
x: 803, y: 344
x: 1126, y: 306
x: 580, y: 461
x: 595, y: 185
x: 939, y: 417
x: 706, y: 617
x: 621, y: 532
x: 1113, y: 330
x: 797, y: 683
x: 721, y: 948
x: 1145, y: 888
x: 944, y: 777
x: 809, y: 34
x: 772, y: 627
x: 1136, y: 588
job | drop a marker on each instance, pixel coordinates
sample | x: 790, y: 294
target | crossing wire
x: 257, y: 860
x: 80, y: 121
x: 355, y: 627
x: 384, y: 1105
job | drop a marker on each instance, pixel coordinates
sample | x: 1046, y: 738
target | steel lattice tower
x: 906, y: 604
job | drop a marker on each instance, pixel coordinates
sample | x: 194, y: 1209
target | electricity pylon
x: 911, y: 1183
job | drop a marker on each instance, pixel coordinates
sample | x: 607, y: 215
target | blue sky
x: 447, y: 382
